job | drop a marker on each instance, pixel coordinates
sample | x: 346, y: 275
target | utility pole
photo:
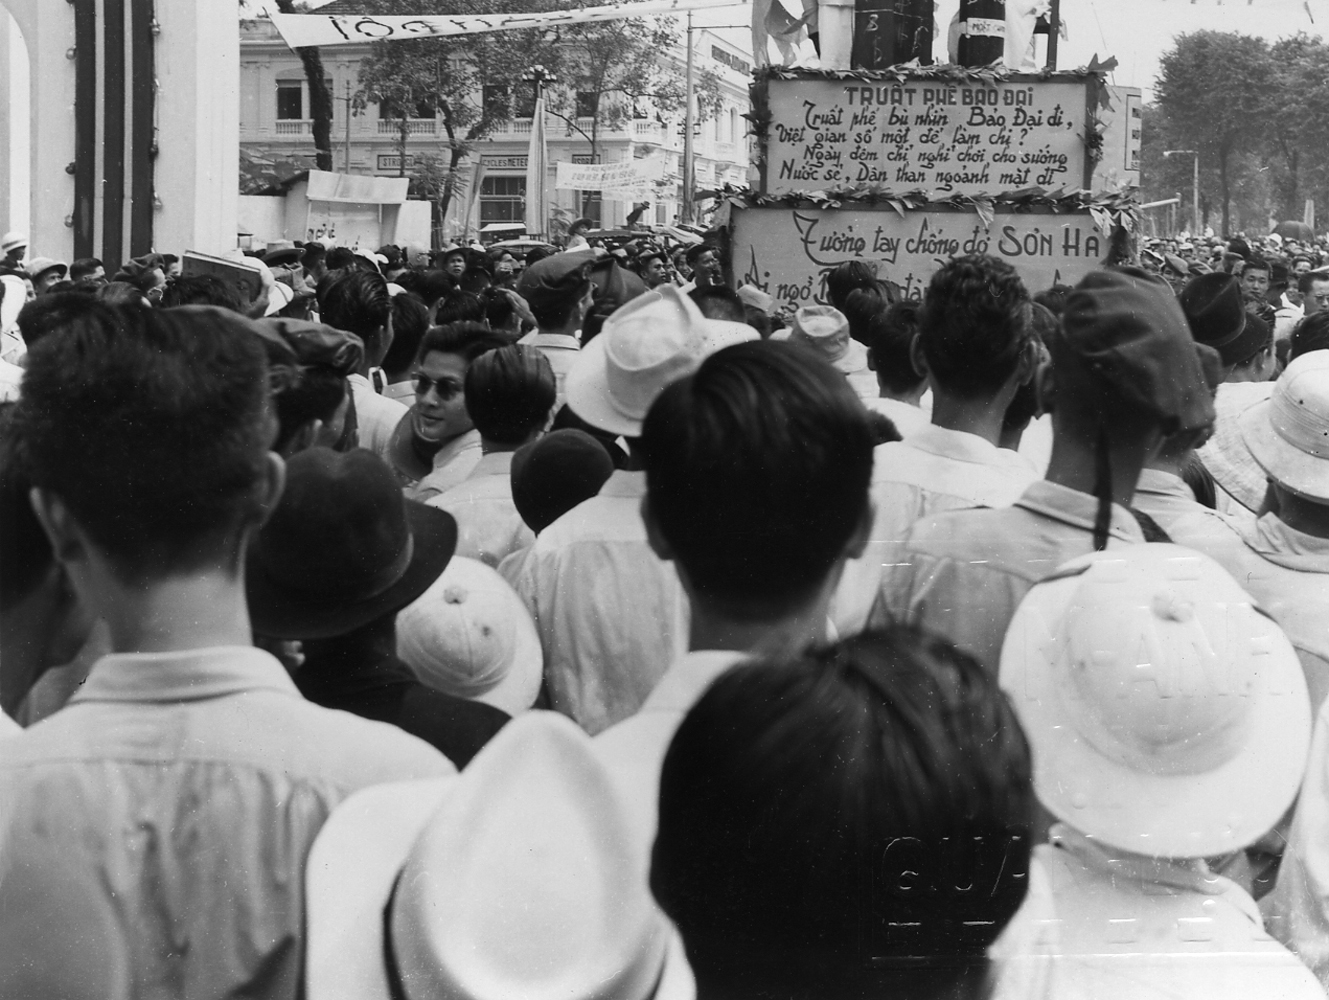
x: 689, y: 173
x: 1195, y: 183
x: 347, y: 167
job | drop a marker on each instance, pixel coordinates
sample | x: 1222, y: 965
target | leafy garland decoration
x: 1109, y: 209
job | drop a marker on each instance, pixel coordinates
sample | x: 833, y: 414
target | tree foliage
x: 1215, y: 88
x: 461, y: 81
x: 614, y: 70
x: 1259, y: 116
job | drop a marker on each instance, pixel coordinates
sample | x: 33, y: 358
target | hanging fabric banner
x: 627, y: 179
x: 299, y: 30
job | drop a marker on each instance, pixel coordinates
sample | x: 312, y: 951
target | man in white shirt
x: 610, y: 613
x: 509, y: 396
x: 358, y: 302
x: 165, y: 814
x: 1125, y: 374
x: 757, y: 472
x: 900, y: 386
x: 976, y: 346
x: 559, y: 292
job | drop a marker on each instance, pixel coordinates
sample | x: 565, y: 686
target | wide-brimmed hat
x: 520, y: 877
x: 654, y: 340
x: 469, y: 635
x: 343, y: 548
x: 756, y: 298
x: 1288, y: 433
x: 38, y: 266
x: 826, y: 330
x: 1167, y: 716
x: 1216, y: 312
x: 283, y: 253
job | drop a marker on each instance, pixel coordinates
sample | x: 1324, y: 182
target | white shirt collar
x: 687, y: 680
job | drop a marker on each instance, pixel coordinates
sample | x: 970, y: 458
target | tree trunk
x: 1225, y: 192
x: 403, y: 131
x: 449, y: 186
x: 320, y: 99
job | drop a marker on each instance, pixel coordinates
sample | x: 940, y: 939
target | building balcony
x: 294, y: 126
x: 414, y: 126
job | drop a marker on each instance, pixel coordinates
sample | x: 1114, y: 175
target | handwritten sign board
x: 926, y: 135
x: 787, y: 252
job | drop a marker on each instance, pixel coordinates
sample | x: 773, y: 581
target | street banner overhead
x: 299, y: 30
x: 631, y: 178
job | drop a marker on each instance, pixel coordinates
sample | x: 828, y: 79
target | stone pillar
x: 175, y: 170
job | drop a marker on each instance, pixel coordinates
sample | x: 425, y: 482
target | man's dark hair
x: 974, y: 324
x: 1054, y: 299
x: 48, y: 313
x: 152, y: 425
x: 202, y: 290
x: 1307, y: 280
x: 313, y: 251
x: 509, y: 393
x: 459, y: 306
x: 466, y: 340
x: 410, y: 320
x: 83, y: 267
x: 855, y: 821
x: 499, y: 308
x: 890, y: 342
x: 313, y: 393
x: 341, y: 259
x: 1310, y: 334
x: 844, y: 278
x: 861, y: 306
x: 719, y: 302
x: 537, y: 254
x: 27, y: 552
x: 429, y: 285
x: 357, y: 302
x: 757, y: 470
x: 1256, y: 264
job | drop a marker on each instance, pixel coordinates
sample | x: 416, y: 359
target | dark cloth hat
x: 554, y: 474
x: 283, y: 253
x: 697, y: 249
x: 1216, y: 313
x: 318, y: 343
x: 343, y: 548
x: 1125, y: 339
x: 554, y: 279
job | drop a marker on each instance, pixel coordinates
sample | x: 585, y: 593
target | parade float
x: 910, y: 165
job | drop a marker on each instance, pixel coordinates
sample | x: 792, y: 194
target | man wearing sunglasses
x: 436, y: 444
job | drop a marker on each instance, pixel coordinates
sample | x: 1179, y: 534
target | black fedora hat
x: 1216, y: 313
x: 343, y: 548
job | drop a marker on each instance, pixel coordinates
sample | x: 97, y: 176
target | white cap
x: 469, y: 635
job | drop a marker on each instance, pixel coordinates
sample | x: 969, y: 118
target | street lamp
x: 1195, y: 183
x: 539, y: 76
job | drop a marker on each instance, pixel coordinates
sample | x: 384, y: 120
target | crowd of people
x: 574, y: 624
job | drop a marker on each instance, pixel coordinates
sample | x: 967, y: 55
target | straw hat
x: 518, y: 878
x: 653, y: 340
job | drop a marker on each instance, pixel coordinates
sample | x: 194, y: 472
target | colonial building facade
x: 275, y: 124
